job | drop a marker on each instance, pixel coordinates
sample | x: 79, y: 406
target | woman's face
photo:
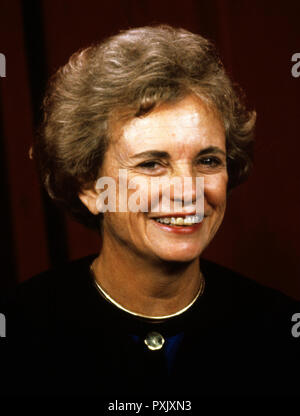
x: 189, y: 141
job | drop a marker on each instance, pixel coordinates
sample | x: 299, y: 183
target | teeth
x: 188, y: 220
x: 192, y: 219
x: 179, y: 221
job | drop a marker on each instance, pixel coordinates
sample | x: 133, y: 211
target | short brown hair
x: 135, y: 71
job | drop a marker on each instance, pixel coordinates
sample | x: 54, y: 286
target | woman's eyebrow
x: 165, y: 155
x: 211, y: 149
x: 151, y: 153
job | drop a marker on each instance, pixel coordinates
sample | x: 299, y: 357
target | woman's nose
x: 184, y: 184
x: 183, y: 188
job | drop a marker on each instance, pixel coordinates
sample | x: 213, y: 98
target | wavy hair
x: 128, y: 75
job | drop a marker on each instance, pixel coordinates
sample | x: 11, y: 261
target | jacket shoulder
x: 244, y: 290
x: 37, y: 295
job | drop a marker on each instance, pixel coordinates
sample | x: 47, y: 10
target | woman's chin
x: 180, y: 255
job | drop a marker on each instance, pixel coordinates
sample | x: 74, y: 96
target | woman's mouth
x: 185, y: 224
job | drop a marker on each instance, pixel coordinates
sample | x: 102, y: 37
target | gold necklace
x: 155, y: 318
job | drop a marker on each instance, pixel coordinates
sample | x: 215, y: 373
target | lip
x: 177, y: 214
x: 178, y: 230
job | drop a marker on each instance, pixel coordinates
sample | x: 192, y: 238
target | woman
x: 145, y: 315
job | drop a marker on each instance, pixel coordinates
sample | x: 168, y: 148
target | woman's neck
x: 146, y: 286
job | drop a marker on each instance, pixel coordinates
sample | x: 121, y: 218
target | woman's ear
x: 89, y: 198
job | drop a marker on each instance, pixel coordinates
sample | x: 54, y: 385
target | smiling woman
x: 147, y: 314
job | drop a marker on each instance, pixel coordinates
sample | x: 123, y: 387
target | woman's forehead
x: 178, y: 126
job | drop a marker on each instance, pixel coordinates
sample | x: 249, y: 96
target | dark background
x: 256, y: 39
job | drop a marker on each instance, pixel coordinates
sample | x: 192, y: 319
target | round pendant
x: 154, y: 341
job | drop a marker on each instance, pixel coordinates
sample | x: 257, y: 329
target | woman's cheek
x: 215, y: 189
x: 138, y: 195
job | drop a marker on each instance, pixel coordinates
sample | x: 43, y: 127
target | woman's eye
x: 210, y: 161
x: 149, y: 165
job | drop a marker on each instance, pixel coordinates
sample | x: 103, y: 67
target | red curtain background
x: 260, y: 234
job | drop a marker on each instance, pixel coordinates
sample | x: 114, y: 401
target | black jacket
x: 63, y: 338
